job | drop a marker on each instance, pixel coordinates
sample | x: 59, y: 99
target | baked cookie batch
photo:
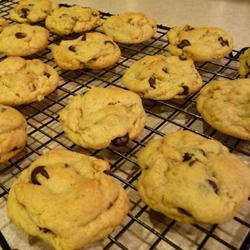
x: 69, y: 199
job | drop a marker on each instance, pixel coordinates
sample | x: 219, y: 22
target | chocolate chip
x: 64, y: 5
x: 2, y: 109
x: 183, y: 43
x: 20, y: 35
x: 165, y: 69
x: 202, y: 151
x: 72, y: 48
x: 184, y: 211
x: 189, y: 28
x: 213, y: 185
x: 185, y: 90
x: 120, y: 141
x: 45, y: 230
x: 223, y: 42
x: 38, y: 170
x: 14, y: 149
x: 152, y: 82
x: 24, y: 12
x: 47, y: 74
x: 187, y: 157
x: 83, y: 37
x: 108, y: 42
x: 66, y: 165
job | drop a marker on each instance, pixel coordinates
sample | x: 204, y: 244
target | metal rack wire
x: 143, y: 228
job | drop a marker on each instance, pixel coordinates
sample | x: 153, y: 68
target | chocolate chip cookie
x: 66, y: 199
x: 130, y: 27
x: 75, y: 19
x: 192, y: 179
x: 199, y: 43
x: 32, y: 11
x: 3, y: 24
x: 92, y: 50
x: 161, y: 78
x: 225, y: 105
x: 25, y: 81
x: 12, y: 132
x: 244, y: 68
x: 103, y: 116
x: 23, y: 40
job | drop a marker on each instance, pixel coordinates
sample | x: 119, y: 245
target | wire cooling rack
x: 143, y: 228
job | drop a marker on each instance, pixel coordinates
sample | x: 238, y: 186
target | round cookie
x: 25, y: 81
x: 161, y: 78
x: 13, y: 134
x: 192, y: 179
x: 3, y: 24
x: 103, y: 116
x: 244, y: 68
x: 75, y: 19
x: 199, y: 43
x: 92, y: 50
x: 130, y: 27
x: 23, y: 40
x: 66, y: 199
x: 32, y: 11
x: 225, y: 105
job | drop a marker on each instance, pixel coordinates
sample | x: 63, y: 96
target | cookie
x: 92, y: 50
x: 225, y: 105
x: 13, y: 134
x: 130, y: 27
x: 32, y: 11
x: 25, y: 81
x: 199, y: 43
x: 192, y: 179
x: 66, y: 199
x: 244, y: 68
x: 103, y: 116
x: 161, y: 78
x: 3, y: 24
x: 23, y: 40
x: 75, y: 19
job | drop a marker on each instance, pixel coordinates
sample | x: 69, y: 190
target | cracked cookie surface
x: 23, y: 40
x: 161, y: 78
x: 199, y: 43
x: 103, y: 116
x: 92, y: 50
x: 75, y: 19
x: 244, y: 68
x: 13, y: 134
x: 25, y: 81
x: 225, y: 105
x: 130, y: 27
x: 32, y: 11
x: 66, y: 199
x: 192, y: 179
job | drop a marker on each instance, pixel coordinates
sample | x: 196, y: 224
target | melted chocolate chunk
x: 185, y: 90
x: 20, y: 35
x: 187, y: 157
x: 223, y: 42
x: 24, y: 12
x: 47, y: 74
x: 183, y: 43
x: 14, y: 149
x: 72, y: 48
x: 108, y: 42
x: 214, y: 186
x: 64, y: 5
x: 152, y: 82
x: 184, y: 211
x: 66, y: 165
x: 45, y: 230
x: 165, y: 69
x: 120, y: 141
x: 38, y: 170
x: 2, y: 109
